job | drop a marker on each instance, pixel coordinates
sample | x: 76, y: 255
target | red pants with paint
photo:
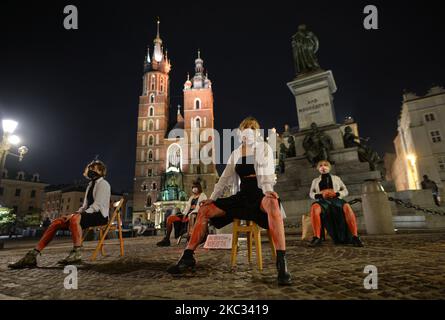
x: 349, y: 217
x: 65, y: 223
x: 171, y: 220
x: 268, y: 205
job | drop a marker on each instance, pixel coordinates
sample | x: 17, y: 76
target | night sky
x: 75, y: 92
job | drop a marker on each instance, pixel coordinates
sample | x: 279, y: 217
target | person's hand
x: 66, y: 217
x: 206, y: 202
x: 272, y: 194
x: 328, y: 194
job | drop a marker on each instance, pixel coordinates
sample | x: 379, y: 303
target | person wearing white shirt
x: 330, y: 211
x: 250, y: 171
x: 93, y: 212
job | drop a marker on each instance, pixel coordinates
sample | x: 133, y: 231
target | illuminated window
x: 152, y: 98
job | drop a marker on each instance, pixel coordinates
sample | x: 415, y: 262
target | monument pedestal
x: 314, y: 97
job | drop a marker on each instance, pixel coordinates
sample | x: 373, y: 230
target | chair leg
x: 272, y: 246
x: 102, y: 238
x: 102, y: 247
x: 234, y: 246
x: 250, y: 235
x: 259, y: 254
x: 121, y: 239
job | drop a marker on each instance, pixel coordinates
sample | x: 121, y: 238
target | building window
x: 33, y: 194
x: 197, y: 103
x: 152, y: 98
x: 154, y: 186
x: 441, y: 162
x: 151, y: 141
x: 153, y: 83
x: 435, y: 136
x: 150, y: 125
x: 69, y: 199
x: 162, y: 84
x: 150, y: 172
x: 67, y: 207
x: 17, y: 192
x: 151, y: 112
x: 430, y: 117
x: 150, y: 155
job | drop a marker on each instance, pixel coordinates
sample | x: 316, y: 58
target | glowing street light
x: 9, y: 126
x: 14, y: 140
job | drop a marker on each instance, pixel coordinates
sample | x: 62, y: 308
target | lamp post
x: 9, y: 140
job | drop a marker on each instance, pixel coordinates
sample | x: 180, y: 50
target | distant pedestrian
x: 430, y: 184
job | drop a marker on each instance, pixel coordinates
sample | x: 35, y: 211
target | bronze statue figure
x: 365, y: 153
x: 305, y: 45
x: 317, y: 145
x: 291, y: 151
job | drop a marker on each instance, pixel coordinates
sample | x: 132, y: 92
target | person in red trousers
x: 330, y: 211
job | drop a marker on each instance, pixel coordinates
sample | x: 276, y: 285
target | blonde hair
x: 249, y: 123
x: 324, y: 162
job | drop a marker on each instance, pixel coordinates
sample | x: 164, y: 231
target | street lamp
x: 9, y: 140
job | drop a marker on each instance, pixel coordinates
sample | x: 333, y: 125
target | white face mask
x: 248, y: 136
x: 195, y: 190
x: 323, y: 169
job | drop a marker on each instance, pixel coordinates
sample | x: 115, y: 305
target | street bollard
x: 376, y: 208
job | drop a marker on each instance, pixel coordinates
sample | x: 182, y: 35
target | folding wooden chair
x: 114, y: 223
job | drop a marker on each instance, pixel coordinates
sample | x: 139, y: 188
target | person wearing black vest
x: 93, y: 212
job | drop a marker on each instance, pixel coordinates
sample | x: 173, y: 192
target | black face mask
x: 93, y: 175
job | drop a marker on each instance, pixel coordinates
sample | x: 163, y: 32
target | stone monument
x: 320, y: 136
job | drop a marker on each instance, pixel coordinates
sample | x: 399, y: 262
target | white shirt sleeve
x: 313, y: 190
x: 102, y: 199
x: 265, y: 167
x: 225, y: 179
x: 343, y: 191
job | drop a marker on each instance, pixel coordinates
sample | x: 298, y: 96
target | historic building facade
x: 168, y: 152
x: 420, y: 141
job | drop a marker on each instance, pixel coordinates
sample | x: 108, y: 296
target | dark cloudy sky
x: 75, y: 93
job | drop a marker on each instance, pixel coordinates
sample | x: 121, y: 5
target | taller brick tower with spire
x: 153, y: 121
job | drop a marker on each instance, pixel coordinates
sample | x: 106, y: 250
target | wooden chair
x: 253, y: 232
x: 190, y: 225
x: 114, y: 223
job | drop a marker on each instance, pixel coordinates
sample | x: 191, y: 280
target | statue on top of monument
x: 317, y: 145
x: 365, y: 153
x: 304, y: 46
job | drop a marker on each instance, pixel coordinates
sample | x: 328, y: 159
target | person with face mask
x: 93, y: 212
x: 330, y: 211
x: 191, y: 209
x: 250, y: 174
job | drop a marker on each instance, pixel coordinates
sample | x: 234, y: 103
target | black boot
x: 284, y: 277
x: 316, y: 242
x: 164, y: 243
x: 356, y: 242
x: 186, y: 262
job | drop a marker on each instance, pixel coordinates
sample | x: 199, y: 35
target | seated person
x: 139, y: 227
x: 330, y: 211
x: 178, y: 219
x: 94, y: 212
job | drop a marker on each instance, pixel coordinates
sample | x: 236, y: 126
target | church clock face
x: 174, y: 158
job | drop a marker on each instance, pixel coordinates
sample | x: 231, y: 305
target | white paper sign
x: 218, y: 241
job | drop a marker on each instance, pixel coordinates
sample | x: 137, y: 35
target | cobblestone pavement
x: 410, y: 266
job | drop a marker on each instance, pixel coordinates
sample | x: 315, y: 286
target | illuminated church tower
x: 153, y: 123
x: 198, y: 124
